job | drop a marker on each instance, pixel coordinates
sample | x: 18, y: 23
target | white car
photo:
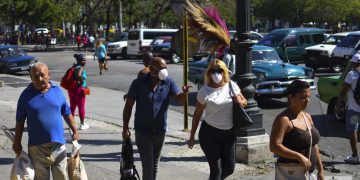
x: 255, y: 37
x: 118, y: 47
x: 42, y: 30
x: 346, y: 48
x: 319, y: 56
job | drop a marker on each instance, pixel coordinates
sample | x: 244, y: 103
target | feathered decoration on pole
x: 208, y: 26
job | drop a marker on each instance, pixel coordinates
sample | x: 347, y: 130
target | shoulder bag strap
x: 307, y: 172
x: 231, y: 89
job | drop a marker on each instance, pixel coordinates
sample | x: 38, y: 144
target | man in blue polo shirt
x: 152, y: 94
x: 43, y: 105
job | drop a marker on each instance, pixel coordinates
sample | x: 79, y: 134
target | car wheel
x: 112, y: 56
x: 337, y: 68
x: 175, y: 58
x: 331, y: 110
x: 124, y: 53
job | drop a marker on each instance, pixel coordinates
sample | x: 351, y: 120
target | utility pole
x: 252, y: 142
x: 120, y: 17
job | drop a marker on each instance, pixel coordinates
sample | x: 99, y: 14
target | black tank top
x: 299, y: 140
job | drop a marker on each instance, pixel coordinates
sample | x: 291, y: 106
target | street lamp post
x: 252, y: 142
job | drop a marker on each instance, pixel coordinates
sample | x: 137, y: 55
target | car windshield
x: 6, y: 52
x: 272, y: 40
x: 121, y: 37
x: 333, y: 40
x: 269, y: 56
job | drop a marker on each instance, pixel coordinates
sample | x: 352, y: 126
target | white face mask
x: 163, y: 74
x: 216, y: 77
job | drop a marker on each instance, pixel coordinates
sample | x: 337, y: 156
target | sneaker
x: 84, y: 126
x: 352, y: 160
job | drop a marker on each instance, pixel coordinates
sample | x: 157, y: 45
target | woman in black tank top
x: 290, y: 137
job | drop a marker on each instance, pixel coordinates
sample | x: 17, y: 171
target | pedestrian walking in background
x: 78, y: 41
x: 76, y: 94
x: 100, y: 53
x: 43, y: 105
x: 152, y: 94
x: 91, y: 41
x: 294, y: 137
x: 217, y: 136
x: 353, y: 108
x: 85, y: 41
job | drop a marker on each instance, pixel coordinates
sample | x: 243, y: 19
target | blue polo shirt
x: 151, y: 107
x: 43, y: 113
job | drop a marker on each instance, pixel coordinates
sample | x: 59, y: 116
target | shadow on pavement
x: 101, y: 157
x: 195, y: 159
x: 329, y: 127
x: 5, y: 161
x: 99, y: 142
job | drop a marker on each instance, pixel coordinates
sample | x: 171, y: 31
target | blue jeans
x: 149, y: 147
x: 219, y: 148
x: 352, y: 120
x: 49, y: 156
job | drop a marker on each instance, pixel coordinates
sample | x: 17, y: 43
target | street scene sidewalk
x: 101, y: 144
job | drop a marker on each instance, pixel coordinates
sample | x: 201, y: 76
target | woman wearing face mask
x: 217, y: 136
x: 76, y: 94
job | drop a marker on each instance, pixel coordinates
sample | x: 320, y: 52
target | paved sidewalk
x: 101, y: 144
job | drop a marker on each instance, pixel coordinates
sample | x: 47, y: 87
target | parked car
x: 329, y: 89
x: 118, y: 47
x: 255, y: 37
x: 42, y: 30
x: 346, y: 48
x: 319, y: 56
x: 272, y: 74
x: 14, y: 59
x: 161, y: 46
x: 290, y: 43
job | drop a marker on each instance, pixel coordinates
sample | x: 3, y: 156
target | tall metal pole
x: 185, y: 62
x: 120, y: 17
x: 252, y: 142
x: 244, y: 75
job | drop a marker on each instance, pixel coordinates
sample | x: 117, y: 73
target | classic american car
x: 272, y: 74
x: 14, y: 59
x: 329, y: 89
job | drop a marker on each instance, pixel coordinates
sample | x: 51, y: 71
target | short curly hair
x: 296, y: 87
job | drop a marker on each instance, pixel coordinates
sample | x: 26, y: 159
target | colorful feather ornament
x: 208, y: 26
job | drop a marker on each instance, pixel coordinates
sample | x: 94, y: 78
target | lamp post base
x: 253, y: 149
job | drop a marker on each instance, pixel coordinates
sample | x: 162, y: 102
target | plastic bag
x: 22, y: 168
x: 76, y: 168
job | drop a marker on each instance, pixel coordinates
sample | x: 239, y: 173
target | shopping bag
x: 22, y: 168
x: 76, y: 168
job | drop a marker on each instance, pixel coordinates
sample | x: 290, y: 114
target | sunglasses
x: 218, y: 71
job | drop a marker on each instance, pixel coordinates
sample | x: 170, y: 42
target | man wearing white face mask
x: 152, y: 94
x: 353, y: 111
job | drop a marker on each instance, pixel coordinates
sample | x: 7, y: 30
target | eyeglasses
x: 218, y: 71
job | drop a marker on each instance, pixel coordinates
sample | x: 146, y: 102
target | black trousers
x: 219, y: 148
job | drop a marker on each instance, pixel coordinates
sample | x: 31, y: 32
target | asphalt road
x: 333, y: 144
x: 123, y: 71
